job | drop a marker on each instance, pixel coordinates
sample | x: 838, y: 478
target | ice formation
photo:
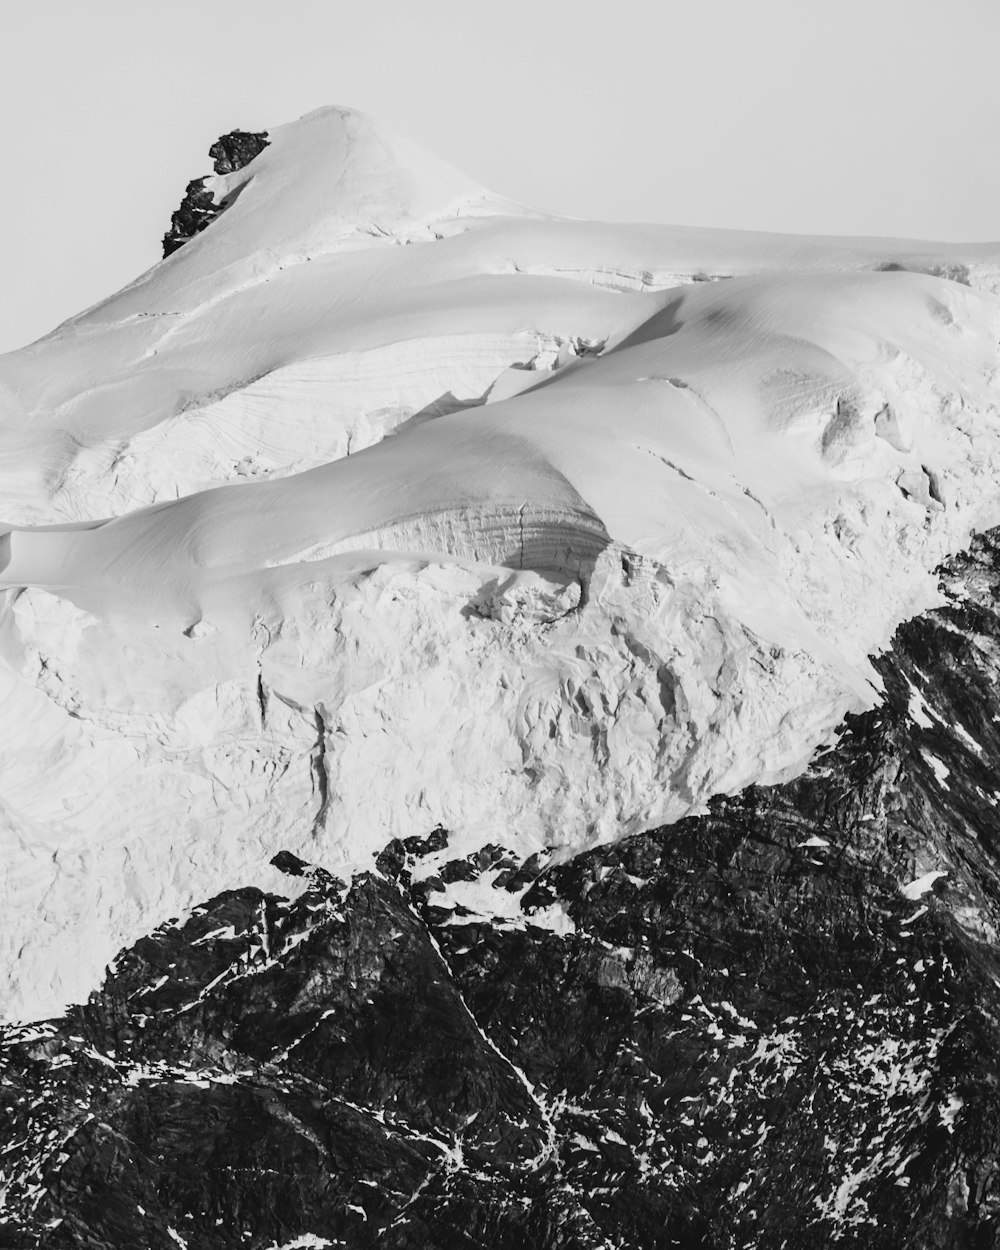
x: 386, y: 503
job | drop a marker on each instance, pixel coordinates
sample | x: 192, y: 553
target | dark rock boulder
x: 198, y: 208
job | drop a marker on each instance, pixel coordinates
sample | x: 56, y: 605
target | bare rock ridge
x: 773, y: 1025
x: 199, y: 208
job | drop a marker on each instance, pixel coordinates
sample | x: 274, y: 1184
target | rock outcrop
x: 199, y: 208
x: 236, y: 149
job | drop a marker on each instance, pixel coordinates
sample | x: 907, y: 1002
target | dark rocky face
x: 754, y: 1038
x: 198, y: 208
x: 238, y: 148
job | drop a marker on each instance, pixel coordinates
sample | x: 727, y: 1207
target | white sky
x: 850, y: 117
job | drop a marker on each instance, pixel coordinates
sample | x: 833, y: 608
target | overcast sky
x: 851, y: 117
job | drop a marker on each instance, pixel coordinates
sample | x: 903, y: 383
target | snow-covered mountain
x: 775, y: 1024
x: 385, y: 503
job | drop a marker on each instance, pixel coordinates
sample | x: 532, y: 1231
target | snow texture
x: 386, y: 503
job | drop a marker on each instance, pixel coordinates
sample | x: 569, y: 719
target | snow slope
x: 385, y: 502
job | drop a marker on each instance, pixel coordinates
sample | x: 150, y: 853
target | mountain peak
x: 336, y: 180
x: 334, y: 174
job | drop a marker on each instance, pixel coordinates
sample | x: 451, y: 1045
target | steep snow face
x: 476, y: 518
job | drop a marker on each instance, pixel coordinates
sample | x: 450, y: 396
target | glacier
x: 386, y: 503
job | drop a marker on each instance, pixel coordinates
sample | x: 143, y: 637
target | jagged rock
x: 776, y: 1024
x: 661, y: 985
x: 198, y: 208
x: 236, y: 149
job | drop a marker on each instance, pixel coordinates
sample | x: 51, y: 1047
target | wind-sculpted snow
x: 517, y: 553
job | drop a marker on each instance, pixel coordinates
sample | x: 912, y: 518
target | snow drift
x: 385, y: 503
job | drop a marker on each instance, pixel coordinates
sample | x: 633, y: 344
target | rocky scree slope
x: 777, y: 1024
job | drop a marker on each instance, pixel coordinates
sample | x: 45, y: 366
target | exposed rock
x: 777, y: 1024
x: 660, y: 985
x: 198, y: 208
x: 233, y: 151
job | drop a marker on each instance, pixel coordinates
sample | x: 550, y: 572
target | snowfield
x: 385, y: 503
